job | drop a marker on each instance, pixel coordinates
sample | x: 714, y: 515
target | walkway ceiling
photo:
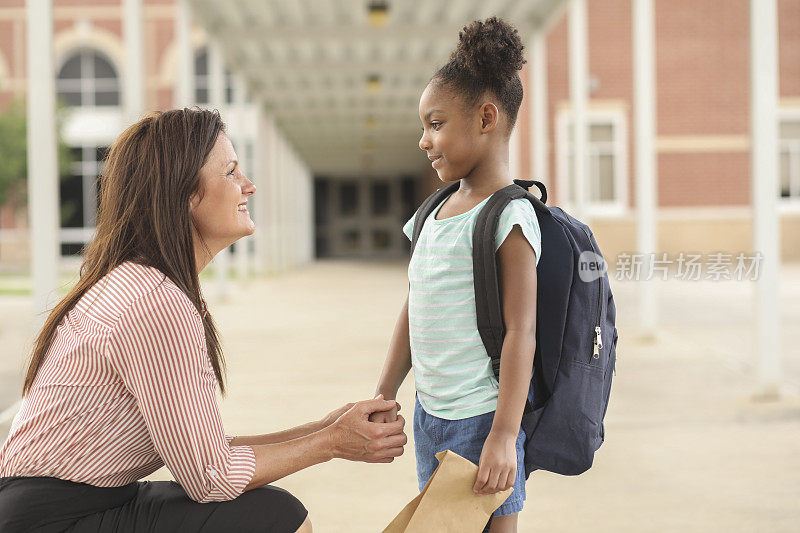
x: 343, y: 77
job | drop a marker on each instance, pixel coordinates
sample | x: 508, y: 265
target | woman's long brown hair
x: 151, y: 172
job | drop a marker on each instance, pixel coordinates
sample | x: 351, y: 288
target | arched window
x: 88, y: 79
x: 201, y: 79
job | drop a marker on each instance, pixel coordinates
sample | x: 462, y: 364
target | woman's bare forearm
x: 351, y: 436
x: 398, y: 359
x: 276, y: 461
x: 278, y: 436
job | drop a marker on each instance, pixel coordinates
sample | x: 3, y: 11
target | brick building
x: 703, y: 124
x: 702, y: 143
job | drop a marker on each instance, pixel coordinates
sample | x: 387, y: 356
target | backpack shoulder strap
x: 427, y: 208
x: 484, y: 266
x: 484, y: 263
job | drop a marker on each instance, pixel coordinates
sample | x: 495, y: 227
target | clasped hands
x: 356, y: 434
x: 497, y: 469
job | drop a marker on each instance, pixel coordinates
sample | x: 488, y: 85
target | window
x: 789, y: 135
x: 348, y: 199
x: 79, y: 196
x: 607, y: 158
x: 381, y: 194
x: 202, y: 78
x: 88, y: 79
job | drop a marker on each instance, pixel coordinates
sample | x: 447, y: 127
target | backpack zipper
x: 598, y: 339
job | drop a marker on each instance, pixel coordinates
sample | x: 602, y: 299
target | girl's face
x: 219, y: 209
x: 450, y: 133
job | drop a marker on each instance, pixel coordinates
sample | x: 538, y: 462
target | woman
x: 123, y: 374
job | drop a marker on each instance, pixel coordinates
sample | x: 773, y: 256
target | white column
x: 285, y: 224
x: 538, y: 107
x: 241, y: 135
x: 287, y: 213
x: 295, y: 199
x: 578, y: 77
x: 644, y: 95
x: 42, y: 156
x: 216, y: 98
x: 287, y: 208
x: 275, y: 186
x: 216, y: 77
x: 276, y: 201
x: 184, y: 82
x: 764, y: 172
x: 133, y: 92
x: 262, y: 174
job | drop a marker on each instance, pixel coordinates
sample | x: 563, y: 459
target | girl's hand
x: 383, y: 417
x: 497, y: 468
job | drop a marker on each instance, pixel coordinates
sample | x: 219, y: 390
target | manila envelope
x: 447, y: 503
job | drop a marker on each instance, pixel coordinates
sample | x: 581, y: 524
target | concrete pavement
x: 687, y: 448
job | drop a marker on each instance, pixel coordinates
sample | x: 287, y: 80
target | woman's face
x: 219, y: 208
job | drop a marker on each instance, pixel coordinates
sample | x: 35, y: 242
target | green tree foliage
x: 14, y: 154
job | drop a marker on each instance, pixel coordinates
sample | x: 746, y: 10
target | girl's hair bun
x: 490, y: 49
x: 486, y: 60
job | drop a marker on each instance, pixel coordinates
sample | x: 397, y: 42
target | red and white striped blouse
x: 126, y: 387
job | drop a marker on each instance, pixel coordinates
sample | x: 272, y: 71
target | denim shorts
x: 465, y: 437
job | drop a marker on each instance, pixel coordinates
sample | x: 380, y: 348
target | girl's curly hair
x: 486, y: 60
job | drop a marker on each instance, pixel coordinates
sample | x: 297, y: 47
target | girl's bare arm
x: 398, y: 361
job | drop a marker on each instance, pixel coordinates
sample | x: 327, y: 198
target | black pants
x: 46, y: 504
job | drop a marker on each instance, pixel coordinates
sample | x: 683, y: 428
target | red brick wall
x: 609, y: 25
x: 111, y: 26
x: 6, y: 50
x: 789, y: 54
x: 557, y: 91
x: 702, y: 76
x: 60, y: 3
x: 163, y: 32
x: 703, y: 70
x: 611, y: 63
x: 704, y: 179
x: 155, y: 48
x: 703, y: 79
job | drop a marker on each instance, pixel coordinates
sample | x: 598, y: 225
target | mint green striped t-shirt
x: 452, y: 371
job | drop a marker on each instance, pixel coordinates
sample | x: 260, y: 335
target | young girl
x: 468, y: 111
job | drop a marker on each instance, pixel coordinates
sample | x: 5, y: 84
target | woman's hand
x: 497, y: 468
x: 354, y: 437
x: 331, y: 417
x: 377, y: 416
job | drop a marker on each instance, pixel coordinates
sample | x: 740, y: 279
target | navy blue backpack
x: 575, y: 333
